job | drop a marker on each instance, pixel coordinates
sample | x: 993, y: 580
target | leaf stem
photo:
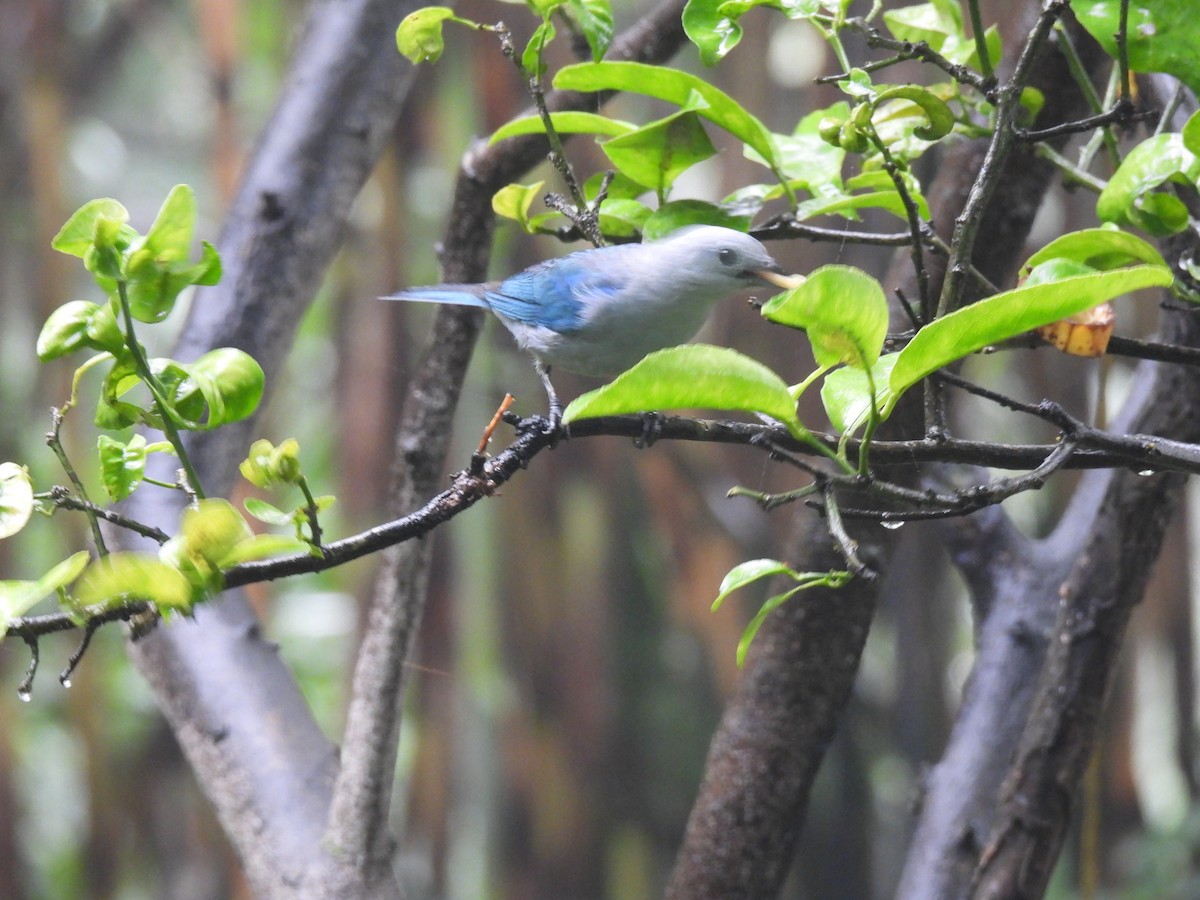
x: 310, y: 512
x: 1079, y: 72
x: 980, y: 35
x: 165, y: 410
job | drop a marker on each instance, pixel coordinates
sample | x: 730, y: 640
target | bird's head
x: 713, y: 254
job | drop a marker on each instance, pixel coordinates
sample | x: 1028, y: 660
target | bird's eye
x: 727, y: 255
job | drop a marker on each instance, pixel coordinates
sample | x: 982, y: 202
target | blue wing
x: 558, y: 293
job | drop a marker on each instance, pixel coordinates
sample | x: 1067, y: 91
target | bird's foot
x: 652, y: 423
x: 550, y: 424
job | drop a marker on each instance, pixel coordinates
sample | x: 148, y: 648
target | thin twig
x: 1122, y: 38
x: 916, y: 227
x: 64, y: 499
x: 25, y: 688
x: 1123, y: 113
x: 917, y: 50
x: 586, y: 218
x: 89, y: 509
x: 847, y: 545
x: 89, y: 630
x: 785, y: 226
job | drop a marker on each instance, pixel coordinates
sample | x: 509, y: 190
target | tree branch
x: 357, y: 840
x: 234, y: 707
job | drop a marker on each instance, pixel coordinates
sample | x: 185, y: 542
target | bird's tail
x: 456, y: 294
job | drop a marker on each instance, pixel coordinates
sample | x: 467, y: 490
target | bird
x: 599, y: 311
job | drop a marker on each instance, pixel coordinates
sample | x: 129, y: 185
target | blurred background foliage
x: 570, y: 671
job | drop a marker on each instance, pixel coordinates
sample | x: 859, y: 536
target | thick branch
x: 357, y: 836
x: 743, y: 829
x: 1014, y: 613
x: 1109, y: 571
x: 233, y: 705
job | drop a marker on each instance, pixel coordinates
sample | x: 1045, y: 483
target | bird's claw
x: 652, y: 426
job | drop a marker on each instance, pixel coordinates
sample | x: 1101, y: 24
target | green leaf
x: 675, y: 87
x: 689, y: 377
x: 757, y: 569
x: 619, y: 187
x: 678, y: 213
x: 531, y: 59
x: 1191, y: 134
x: 419, y: 36
x: 66, y: 330
x: 904, y: 98
x: 1032, y: 102
x: 755, y: 625
x: 806, y: 158
x: 1008, y: 314
x: 656, y: 154
x: 623, y: 218
x: 940, y: 25
x: 155, y: 285
x: 105, y: 257
x: 1130, y: 199
x: 212, y: 528
x: 933, y: 23
x: 513, y: 201
x: 877, y: 192
x: 849, y: 205
x: 18, y: 597
x: 844, y: 311
x: 267, y: 513
x: 1162, y: 35
x: 262, y: 546
x: 595, y: 19
x: 267, y: 465
x: 543, y: 8
x: 75, y: 237
x: 713, y: 32
x: 747, y: 573
x: 1100, y: 248
x: 16, y: 498
x: 564, y: 123
x: 170, y: 237
x: 712, y: 25
x: 122, y: 466
x: 222, y: 386
x: 158, y: 268
x: 120, y: 577
x: 1053, y: 270
x: 208, y: 270
x: 209, y: 532
x: 103, y: 330
x: 846, y: 393
x: 114, y: 413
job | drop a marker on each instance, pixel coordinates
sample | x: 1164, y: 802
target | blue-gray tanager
x: 597, y: 312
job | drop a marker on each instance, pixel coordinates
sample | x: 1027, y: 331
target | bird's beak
x: 779, y: 279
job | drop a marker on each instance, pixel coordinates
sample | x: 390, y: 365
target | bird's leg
x: 543, y: 372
